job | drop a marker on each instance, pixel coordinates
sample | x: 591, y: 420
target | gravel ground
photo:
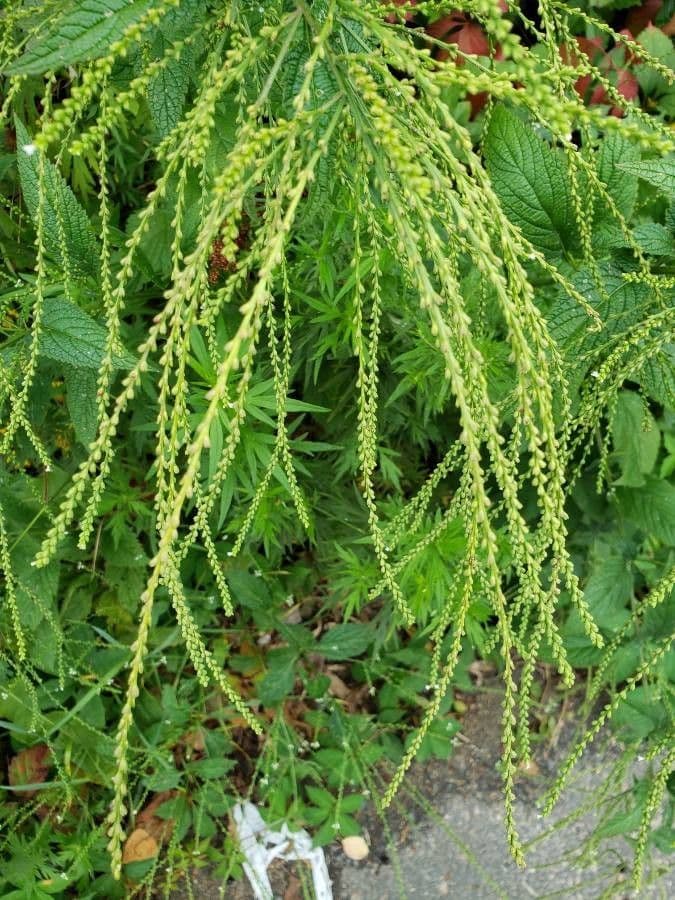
x: 446, y: 838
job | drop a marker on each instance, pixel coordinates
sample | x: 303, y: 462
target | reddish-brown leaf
x: 30, y: 766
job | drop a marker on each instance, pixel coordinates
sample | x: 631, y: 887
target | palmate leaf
x: 84, y: 31
x: 68, y: 234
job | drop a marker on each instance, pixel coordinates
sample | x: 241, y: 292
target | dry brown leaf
x: 30, y: 766
x: 337, y: 686
x: 355, y: 847
x: 139, y: 846
x: 158, y: 828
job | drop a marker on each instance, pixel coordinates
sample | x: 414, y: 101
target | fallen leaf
x: 355, y: 847
x: 156, y: 827
x: 139, y: 846
x: 30, y: 766
x: 337, y: 686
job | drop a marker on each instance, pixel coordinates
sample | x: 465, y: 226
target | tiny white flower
x: 595, y: 374
x: 29, y: 149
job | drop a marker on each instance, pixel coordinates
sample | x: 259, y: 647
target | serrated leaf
x: 69, y: 335
x: 619, y: 309
x: 69, y: 237
x: 655, y: 239
x: 280, y: 678
x: 657, y: 376
x: 346, y: 641
x: 81, y: 387
x: 635, y: 446
x: 651, y: 508
x: 82, y: 32
x: 660, y: 46
x: 168, y: 88
x: 615, y: 152
x: 608, y: 592
x: 658, y: 172
x: 211, y: 767
x: 530, y: 180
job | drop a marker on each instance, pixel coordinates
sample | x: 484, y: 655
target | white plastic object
x: 260, y: 846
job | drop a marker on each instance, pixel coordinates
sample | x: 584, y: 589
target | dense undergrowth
x: 337, y: 355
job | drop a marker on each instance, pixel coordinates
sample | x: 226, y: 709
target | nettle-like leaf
x: 168, y: 89
x: 346, y: 641
x: 651, y: 508
x: 70, y: 335
x: 82, y: 32
x: 615, y: 157
x: 169, y: 86
x: 81, y: 386
x: 658, y: 172
x: 68, y: 234
x: 636, y: 439
x: 531, y: 181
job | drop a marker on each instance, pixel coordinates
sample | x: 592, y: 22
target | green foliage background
x: 309, y: 367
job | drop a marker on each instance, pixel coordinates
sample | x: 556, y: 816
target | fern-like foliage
x: 267, y: 119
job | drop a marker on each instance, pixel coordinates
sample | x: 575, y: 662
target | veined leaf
x: 167, y: 91
x: 636, y: 448
x: 81, y: 385
x: 530, y: 180
x: 69, y: 236
x: 615, y: 153
x: 346, y: 641
x: 70, y: 335
x: 83, y: 32
x: 651, y: 508
x: 659, y: 172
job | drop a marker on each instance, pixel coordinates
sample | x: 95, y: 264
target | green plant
x: 285, y: 321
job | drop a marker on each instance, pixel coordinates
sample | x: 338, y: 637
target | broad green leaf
x: 640, y: 713
x: 166, y: 94
x: 658, y: 172
x: 619, y: 309
x: 280, y: 677
x: 636, y: 439
x: 531, y: 182
x: 616, y: 152
x: 651, y: 508
x: 81, y: 386
x: 655, y: 239
x: 82, y: 32
x: 657, y: 376
x: 69, y: 237
x: 210, y: 767
x: 608, y: 592
x: 69, y: 335
x: 660, y: 46
x: 168, y: 89
x: 346, y: 641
